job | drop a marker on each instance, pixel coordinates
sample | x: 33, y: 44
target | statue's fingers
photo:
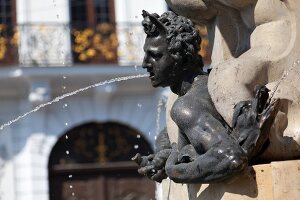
x: 242, y: 137
x: 173, y: 158
x: 137, y: 158
x: 149, y: 169
x: 159, y: 176
x: 255, y: 105
x: 238, y: 110
x: 261, y: 98
x: 158, y: 163
x: 150, y: 157
x: 269, y: 113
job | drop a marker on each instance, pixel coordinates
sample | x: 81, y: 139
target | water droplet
x: 73, y: 194
x: 155, y: 137
x: 136, y: 146
x: 138, y: 136
x: 67, y: 137
x: 66, y: 105
x: 70, y: 176
x: 71, y: 186
x: 64, y: 77
x: 135, y: 67
x: 139, y: 105
x: 66, y: 123
x: 67, y: 152
x: 64, y: 87
x: 149, y: 133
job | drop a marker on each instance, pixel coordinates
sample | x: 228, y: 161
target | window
x: 88, y: 13
x: 78, y: 13
x: 8, y: 44
x: 7, y: 13
x: 93, y: 31
x: 102, y: 11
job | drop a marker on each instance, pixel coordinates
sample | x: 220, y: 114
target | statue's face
x: 159, y: 62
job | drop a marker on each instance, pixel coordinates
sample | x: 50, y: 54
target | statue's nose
x: 146, y: 64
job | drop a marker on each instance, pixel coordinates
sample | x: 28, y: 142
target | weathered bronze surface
x: 208, y: 149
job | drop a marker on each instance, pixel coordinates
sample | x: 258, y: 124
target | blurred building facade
x: 79, y: 147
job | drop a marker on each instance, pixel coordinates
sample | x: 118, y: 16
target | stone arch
x: 98, y: 154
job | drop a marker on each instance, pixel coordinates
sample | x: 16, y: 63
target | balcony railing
x: 62, y: 45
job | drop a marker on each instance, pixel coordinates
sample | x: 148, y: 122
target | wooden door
x: 98, y: 164
x: 112, y: 181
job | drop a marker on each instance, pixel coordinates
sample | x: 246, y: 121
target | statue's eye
x: 155, y: 55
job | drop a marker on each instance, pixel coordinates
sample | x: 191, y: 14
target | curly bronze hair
x: 181, y: 34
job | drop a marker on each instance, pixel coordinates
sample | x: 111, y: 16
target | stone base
x: 275, y: 181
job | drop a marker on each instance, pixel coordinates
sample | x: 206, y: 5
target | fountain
x: 250, y: 46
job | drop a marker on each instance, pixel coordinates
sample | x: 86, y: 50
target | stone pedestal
x: 275, y: 181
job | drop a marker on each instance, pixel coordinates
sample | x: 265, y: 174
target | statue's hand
x: 146, y: 167
x: 153, y: 166
x: 252, y: 120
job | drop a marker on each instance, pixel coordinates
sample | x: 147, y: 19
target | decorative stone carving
x: 254, y: 42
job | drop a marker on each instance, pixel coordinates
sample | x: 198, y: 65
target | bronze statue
x: 208, y: 149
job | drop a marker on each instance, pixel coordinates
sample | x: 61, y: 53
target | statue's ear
x: 161, y: 28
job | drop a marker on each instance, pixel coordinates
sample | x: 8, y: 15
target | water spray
x: 57, y: 99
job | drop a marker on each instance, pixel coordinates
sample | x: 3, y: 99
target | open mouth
x: 151, y: 74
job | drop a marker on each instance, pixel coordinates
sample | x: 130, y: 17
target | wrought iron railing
x: 63, y: 45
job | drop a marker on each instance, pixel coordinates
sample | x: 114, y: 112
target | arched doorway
x: 92, y: 162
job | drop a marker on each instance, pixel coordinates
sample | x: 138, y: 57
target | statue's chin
x: 154, y: 84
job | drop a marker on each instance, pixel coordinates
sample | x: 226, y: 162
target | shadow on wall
x: 245, y: 186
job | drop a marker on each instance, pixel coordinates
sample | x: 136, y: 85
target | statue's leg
x: 216, y: 164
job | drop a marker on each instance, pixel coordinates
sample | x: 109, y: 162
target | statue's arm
x: 218, y: 154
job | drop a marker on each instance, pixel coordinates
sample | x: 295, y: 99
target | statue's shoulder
x: 196, y: 102
x: 185, y: 112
